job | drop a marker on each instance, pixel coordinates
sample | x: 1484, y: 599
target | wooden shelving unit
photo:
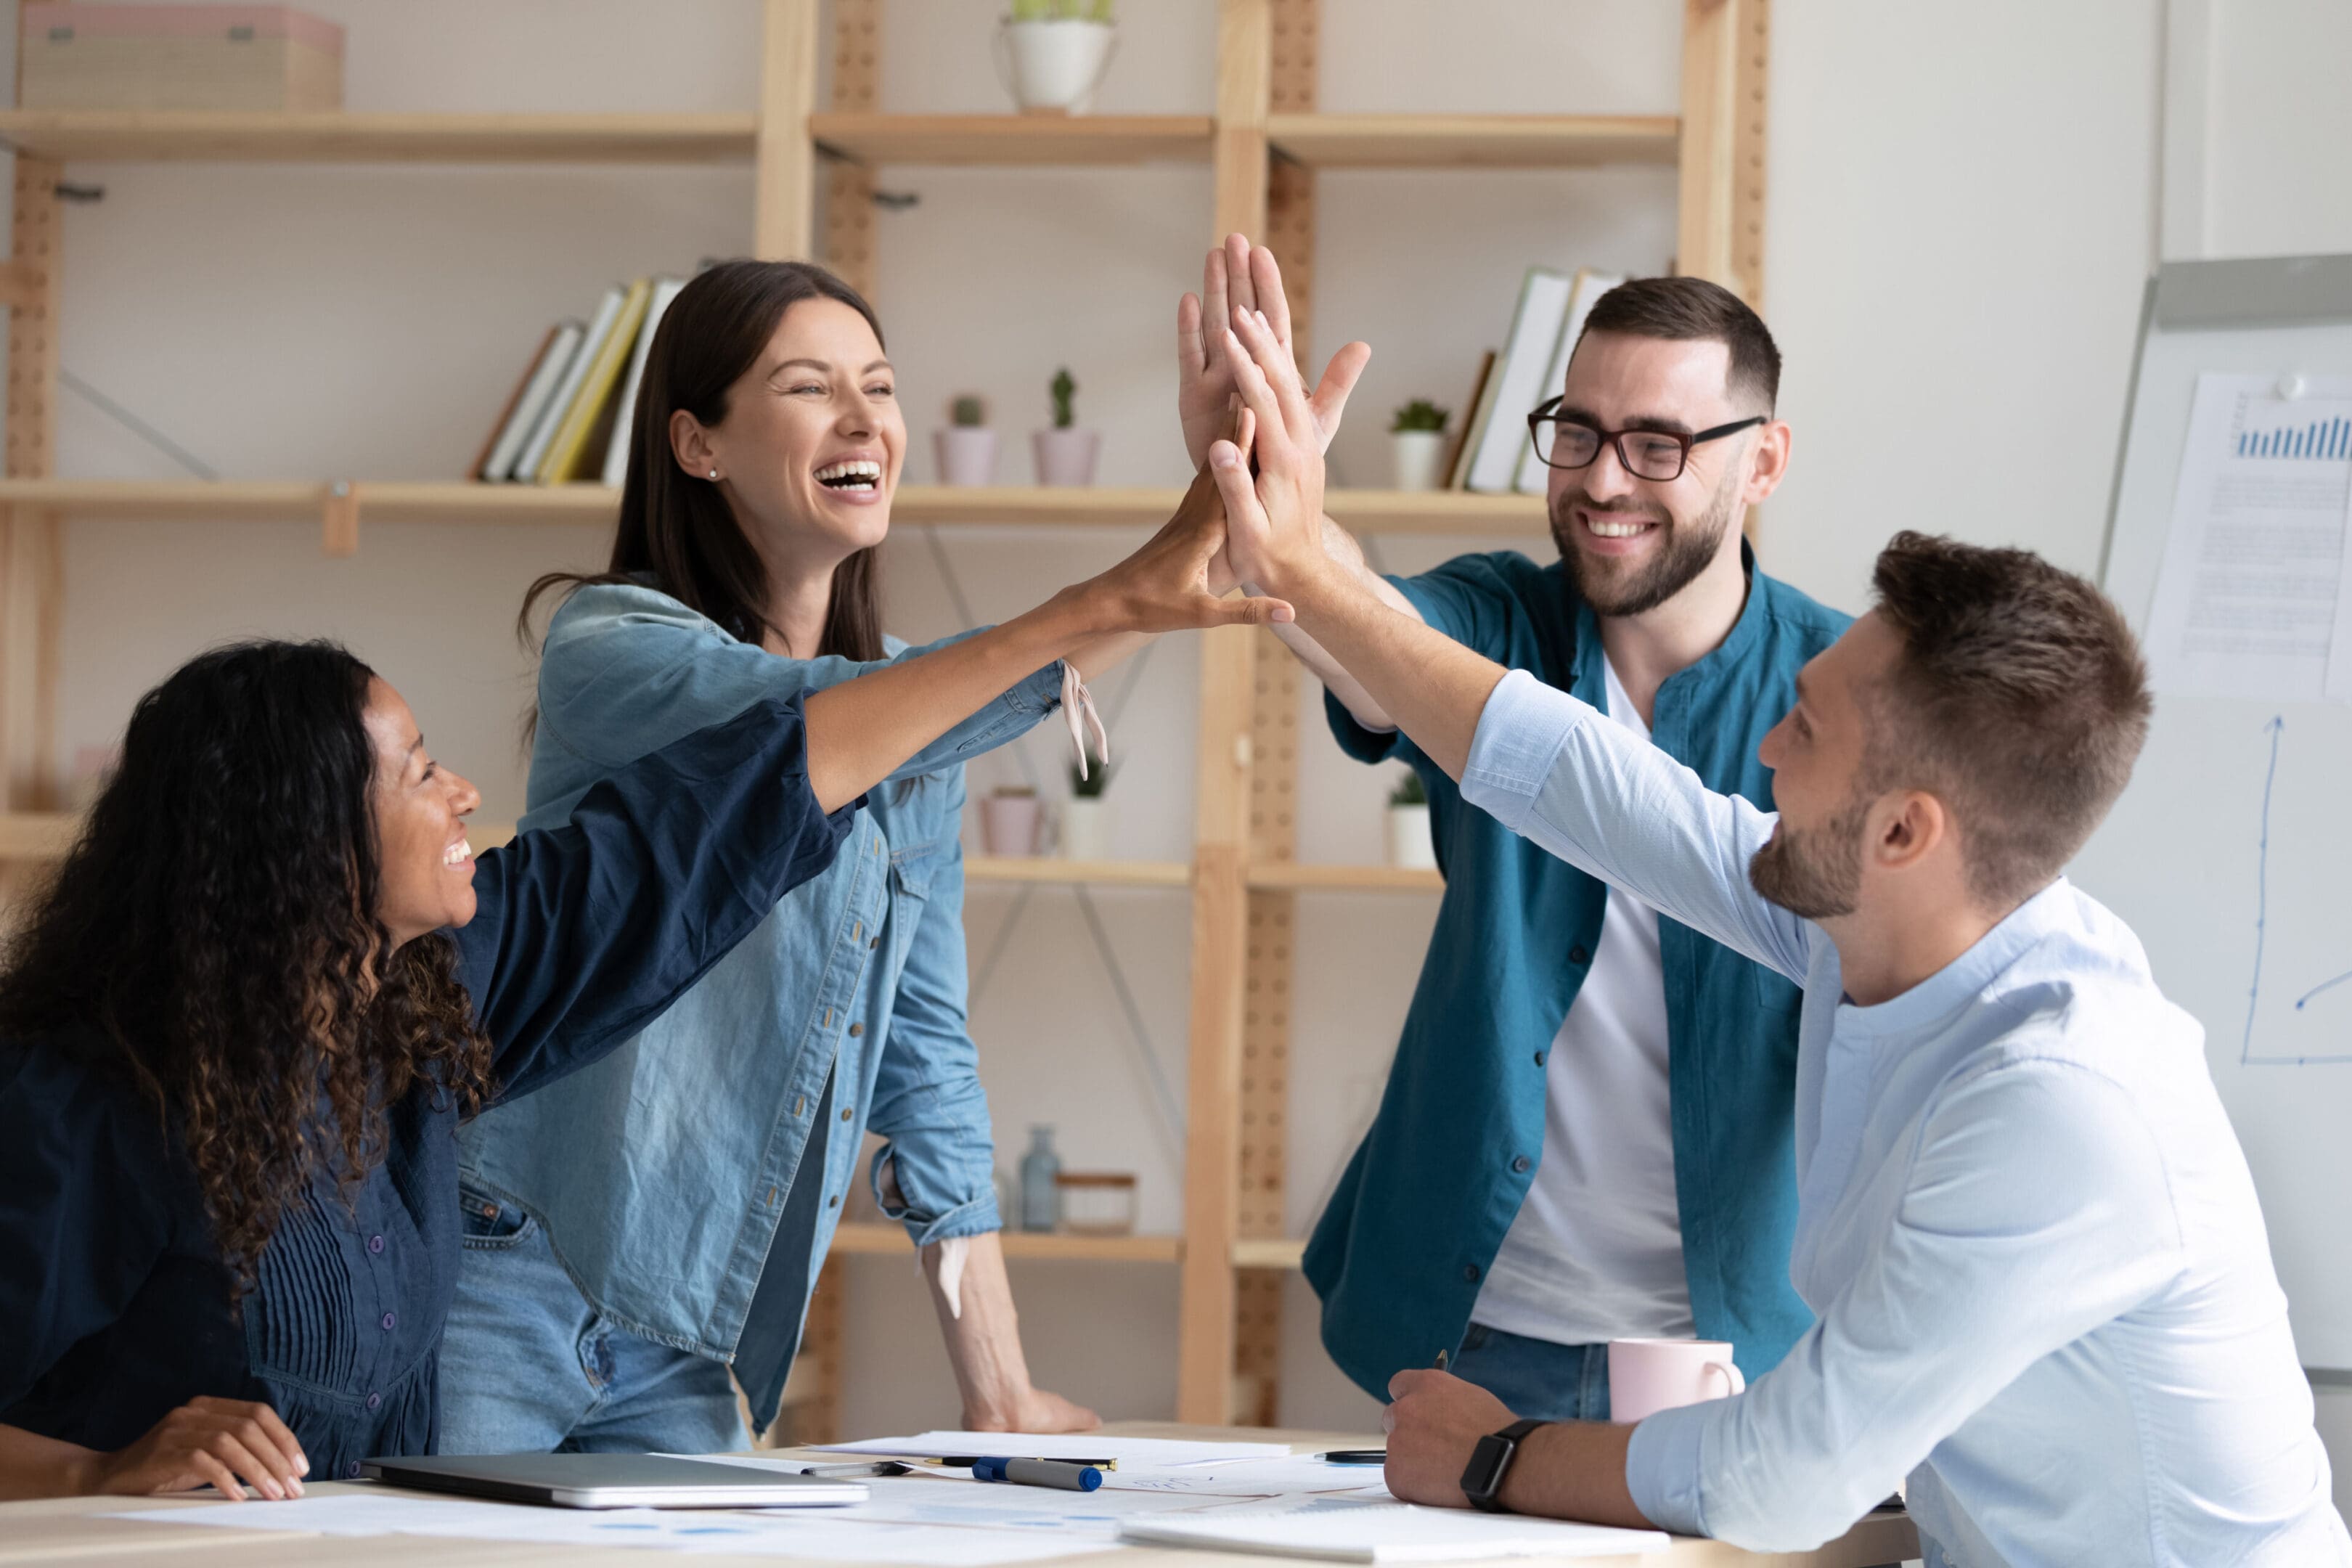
x: 811, y: 168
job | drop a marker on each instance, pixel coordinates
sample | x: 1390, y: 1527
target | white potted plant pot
x: 1066, y: 457
x: 1417, y: 455
x: 1009, y: 820
x: 1054, y: 66
x: 1086, y: 829
x: 966, y: 454
x: 1410, y: 845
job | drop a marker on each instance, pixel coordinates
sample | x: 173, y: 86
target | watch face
x: 1484, y: 1471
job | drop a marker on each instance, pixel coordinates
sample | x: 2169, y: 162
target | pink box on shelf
x: 250, y: 58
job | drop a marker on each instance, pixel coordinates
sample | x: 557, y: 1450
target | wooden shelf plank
x: 337, y: 137
x: 29, y: 836
x: 869, y: 1237
x: 1268, y: 1252
x: 1305, y: 877
x: 1474, y: 141
x: 1050, y: 506
x: 1032, y: 140
x: 1099, y: 873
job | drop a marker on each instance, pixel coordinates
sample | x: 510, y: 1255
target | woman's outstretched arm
x: 861, y: 730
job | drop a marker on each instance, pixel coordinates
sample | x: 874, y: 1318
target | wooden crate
x: 242, y: 57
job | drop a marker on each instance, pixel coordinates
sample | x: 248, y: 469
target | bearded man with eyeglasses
x: 1587, y: 1132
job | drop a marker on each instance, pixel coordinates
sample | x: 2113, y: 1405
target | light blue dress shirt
x: 2042, y: 1286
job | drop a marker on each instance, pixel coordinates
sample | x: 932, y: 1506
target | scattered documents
x: 1363, y: 1530
x: 1062, y: 1446
x: 799, y: 1534
x: 2246, y: 604
x: 1244, y: 1477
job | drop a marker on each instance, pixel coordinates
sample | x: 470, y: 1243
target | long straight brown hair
x: 676, y: 527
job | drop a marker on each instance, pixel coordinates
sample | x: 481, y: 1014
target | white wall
x: 1963, y: 204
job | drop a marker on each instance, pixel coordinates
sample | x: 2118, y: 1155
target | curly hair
x: 212, y: 936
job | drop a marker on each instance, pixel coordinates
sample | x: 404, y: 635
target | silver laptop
x: 613, y: 1481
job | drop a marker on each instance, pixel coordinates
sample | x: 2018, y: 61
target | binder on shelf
x: 1518, y: 372
x: 565, y: 452
x: 1534, y: 477
x: 1473, y: 408
x: 624, y: 409
x: 542, y: 436
x: 506, y: 410
x: 562, y: 345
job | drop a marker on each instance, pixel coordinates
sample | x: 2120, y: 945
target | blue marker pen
x: 1059, y: 1473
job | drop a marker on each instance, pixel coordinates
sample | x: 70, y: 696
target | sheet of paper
x: 2247, y: 600
x: 1065, y: 1446
x: 801, y: 1533
x: 958, y: 1499
x: 1364, y: 1529
x: 1245, y: 1477
x: 2339, y: 653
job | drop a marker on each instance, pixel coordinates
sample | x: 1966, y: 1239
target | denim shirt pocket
x: 1777, y: 994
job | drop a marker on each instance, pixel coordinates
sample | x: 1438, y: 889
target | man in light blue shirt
x: 2042, y: 1286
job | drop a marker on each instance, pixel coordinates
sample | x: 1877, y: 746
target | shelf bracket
x: 339, y: 515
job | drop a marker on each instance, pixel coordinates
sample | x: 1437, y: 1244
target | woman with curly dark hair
x: 238, y: 1035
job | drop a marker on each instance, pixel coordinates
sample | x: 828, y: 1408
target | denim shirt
x: 661, y: 1174
x: 1421, y: 1208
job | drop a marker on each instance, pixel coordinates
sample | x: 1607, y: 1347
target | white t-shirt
x: 1596, y: 1250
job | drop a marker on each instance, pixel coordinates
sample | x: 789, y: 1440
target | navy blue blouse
x: 115, y: 1306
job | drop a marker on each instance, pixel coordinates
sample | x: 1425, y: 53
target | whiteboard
x: 2231, y: 853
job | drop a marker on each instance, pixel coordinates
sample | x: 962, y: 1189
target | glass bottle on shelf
x: 1041, y: 1200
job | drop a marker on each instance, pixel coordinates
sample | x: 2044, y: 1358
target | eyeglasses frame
x: 1550, y: 410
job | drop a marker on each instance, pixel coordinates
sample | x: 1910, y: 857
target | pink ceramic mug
x: 1646, y: 1376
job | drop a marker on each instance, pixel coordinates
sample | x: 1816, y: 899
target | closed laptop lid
x: 613, y: 1481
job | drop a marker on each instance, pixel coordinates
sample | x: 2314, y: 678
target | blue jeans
x: 1539, y: 1380
x: 529, y: 1367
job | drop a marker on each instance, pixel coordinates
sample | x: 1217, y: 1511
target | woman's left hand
x: 1034, y: 1410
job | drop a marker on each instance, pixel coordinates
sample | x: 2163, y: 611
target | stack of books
x: 568, y: 419
x: 1494, y: 455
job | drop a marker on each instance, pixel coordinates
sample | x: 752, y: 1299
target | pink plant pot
x: 1066, y: 457
x: 1009, y: 824
x: 966, y: 455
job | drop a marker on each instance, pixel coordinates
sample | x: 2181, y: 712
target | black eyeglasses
x: 1654, y: 454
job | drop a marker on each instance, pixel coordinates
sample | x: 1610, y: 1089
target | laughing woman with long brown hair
x: 240, y: 1030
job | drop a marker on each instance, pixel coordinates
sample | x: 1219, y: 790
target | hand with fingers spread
x: 1273, y: 522
x: 220, y: 1441
x: 1240, y: 276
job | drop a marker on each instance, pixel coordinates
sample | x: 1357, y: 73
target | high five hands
x: 1240, y: 276
x: 1274, y: 522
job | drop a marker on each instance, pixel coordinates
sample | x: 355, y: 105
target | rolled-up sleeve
x: 929, y: 1105
x: 2036, y: 1209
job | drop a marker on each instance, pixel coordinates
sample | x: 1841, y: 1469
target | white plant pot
x: 1054, y: 68
x: 1066, y: 457
x: 1085, y: 828
x: 1009, y: 824
x: 1417, y: 454
x: 1410, y: 845
x: 966, y: 454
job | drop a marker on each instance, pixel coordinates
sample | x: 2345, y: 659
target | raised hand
x: 1273, y: 522
x: 219, y: 1441
x: 1166, y: 585
x: 1238, y: 275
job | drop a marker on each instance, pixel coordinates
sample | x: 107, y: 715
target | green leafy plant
x: 968, y: 412
x: 1061, y: 10
x: 1408, y: 792
x: 1421, y: 414
x: 1061, y: 390
x: 1097, y: 775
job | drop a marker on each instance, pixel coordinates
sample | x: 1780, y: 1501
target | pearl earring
x: 714, y: 473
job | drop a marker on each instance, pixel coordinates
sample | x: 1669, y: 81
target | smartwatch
x: 1490, y: 1461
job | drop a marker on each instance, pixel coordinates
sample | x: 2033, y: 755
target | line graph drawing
x: 2275, y: 727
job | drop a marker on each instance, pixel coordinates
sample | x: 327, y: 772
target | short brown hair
x: 2021, y: 698
x: 1692, y: 309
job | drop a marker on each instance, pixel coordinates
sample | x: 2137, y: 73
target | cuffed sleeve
x: 927, y: 1101
x: 1551, y: 768
x: 1661, y: 1470
x: 585, y: 933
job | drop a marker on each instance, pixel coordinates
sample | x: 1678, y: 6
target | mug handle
x: 1733, y: 1382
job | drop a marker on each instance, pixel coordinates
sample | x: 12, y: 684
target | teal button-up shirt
x: 1422, y: 1209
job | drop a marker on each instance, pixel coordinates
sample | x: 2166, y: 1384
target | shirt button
x: 390, y: 1319
x: 1576, y: 955
x: 352, y: 1470
x: 374, y: 1400
x: 1521, y: 1164
x: 855, y: 1029
x: 833, y: 1202
x: 847, y: 1111
x: 1540, y: 1058
x: 873, y: 942
x: 1470, y: 1272
x: 375, y: 1243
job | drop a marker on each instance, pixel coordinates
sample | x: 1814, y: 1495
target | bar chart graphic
x: 2324, y: 440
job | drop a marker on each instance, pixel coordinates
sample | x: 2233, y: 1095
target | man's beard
x: 1814, y: 873
x: 1615, y: 588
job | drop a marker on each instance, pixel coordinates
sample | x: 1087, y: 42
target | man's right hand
x: 1274, y: 524
x: 219, y: 1441
x: 1237, y: 275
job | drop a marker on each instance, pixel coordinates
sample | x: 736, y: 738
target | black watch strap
x: 1490, y: 1461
